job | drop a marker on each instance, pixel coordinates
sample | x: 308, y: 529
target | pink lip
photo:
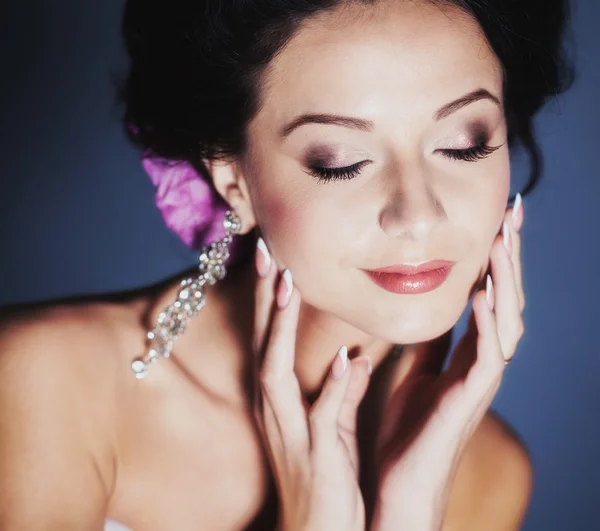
x: 412, y: 279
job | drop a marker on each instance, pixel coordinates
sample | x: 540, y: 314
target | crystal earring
x: 172, y: 321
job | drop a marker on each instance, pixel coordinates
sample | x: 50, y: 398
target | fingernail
x: 338, y: 367
x: 507, y: 238
x: 489, y: 292
x: 517, y: 213
x: 285, y: 288
x: 369, y: 365
x: 263, y: 258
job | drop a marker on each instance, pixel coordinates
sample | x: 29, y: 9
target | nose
x: 412, y: 210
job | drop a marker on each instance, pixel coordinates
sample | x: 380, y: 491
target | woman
x: 363, y: 148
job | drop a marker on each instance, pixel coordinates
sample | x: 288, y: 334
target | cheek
x: 302, y: 235
x: 288, y: 217
x: 307, y: 232
x: 486, y: 211
x: 497, y: 199
x: 297, y: 215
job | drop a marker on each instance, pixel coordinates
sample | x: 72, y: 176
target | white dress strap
x: 111, y: 525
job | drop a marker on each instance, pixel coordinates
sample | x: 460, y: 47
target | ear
x: 230, y: 183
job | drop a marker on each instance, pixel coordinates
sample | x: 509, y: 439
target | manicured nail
x: 285, y: 288
x: 263, y: 258
x: 507, y: 238
x: 489, y: 292
x: 369, y: 364
x: 338, y: 367
x: 517, y: 213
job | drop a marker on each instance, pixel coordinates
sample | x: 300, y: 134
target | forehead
x: 376, y: 59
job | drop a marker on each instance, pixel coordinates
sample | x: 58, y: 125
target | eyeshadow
x: 321, y: 156
x: 478, y: 131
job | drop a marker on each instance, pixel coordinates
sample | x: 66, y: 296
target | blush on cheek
x: 282, y: 221
x: 492, y: 207
x: 501, y: 200
x: 276, y: 212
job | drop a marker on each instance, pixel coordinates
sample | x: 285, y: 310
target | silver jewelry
x: 172, y: 321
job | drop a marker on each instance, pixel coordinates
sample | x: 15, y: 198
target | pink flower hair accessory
x: 188, y: 204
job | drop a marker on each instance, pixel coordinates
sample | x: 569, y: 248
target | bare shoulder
x: 57, y: 401
x: 49, y: 345
x: 494, y: 480
x: 53, y: 326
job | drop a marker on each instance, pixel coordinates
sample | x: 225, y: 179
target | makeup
x: 409, y: 279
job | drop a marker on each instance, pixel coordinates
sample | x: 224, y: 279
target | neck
x: 319, y: 334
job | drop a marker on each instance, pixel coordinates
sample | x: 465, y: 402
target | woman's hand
x: 312, y: 450
x: 433, y: 414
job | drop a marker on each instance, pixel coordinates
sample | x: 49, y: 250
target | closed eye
x: 472, y: 154
x: 338, y: 174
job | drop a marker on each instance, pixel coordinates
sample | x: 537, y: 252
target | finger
x: 489, y: 373
x: 515, y: 237
x: 325, y: 412
x: 263, y: 308
x: 362, y: 367
x: 285, y: 423
x: 464, y: 402
x: 482, y: 340
x: 264, y: 295
x: 507, y: 308
x: 281, y: 342
x: 486, y: 372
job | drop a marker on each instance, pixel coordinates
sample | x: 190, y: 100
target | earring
x: 172, y: 321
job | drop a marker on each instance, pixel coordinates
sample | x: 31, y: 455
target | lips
x: 409, y: 279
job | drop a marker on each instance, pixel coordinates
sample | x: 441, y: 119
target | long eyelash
x: 472, y: 154
x: 337, y: 174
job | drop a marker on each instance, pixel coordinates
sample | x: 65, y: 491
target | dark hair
x: 194, y: 79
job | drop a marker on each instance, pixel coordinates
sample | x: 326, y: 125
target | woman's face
x: 392, y: 72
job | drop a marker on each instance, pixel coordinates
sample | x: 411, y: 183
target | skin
x: 83, y: 439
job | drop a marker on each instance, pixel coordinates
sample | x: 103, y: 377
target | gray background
x: 77, y: 216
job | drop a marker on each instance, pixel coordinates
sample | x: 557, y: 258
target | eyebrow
x: 471, y: 97
x: 329, y: 119
x: 367, y: 126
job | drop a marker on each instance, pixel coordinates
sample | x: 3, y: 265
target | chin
x: 421, y: 318
x: 420, y: 335
x: 416, y: 324
x: 425, y: 331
